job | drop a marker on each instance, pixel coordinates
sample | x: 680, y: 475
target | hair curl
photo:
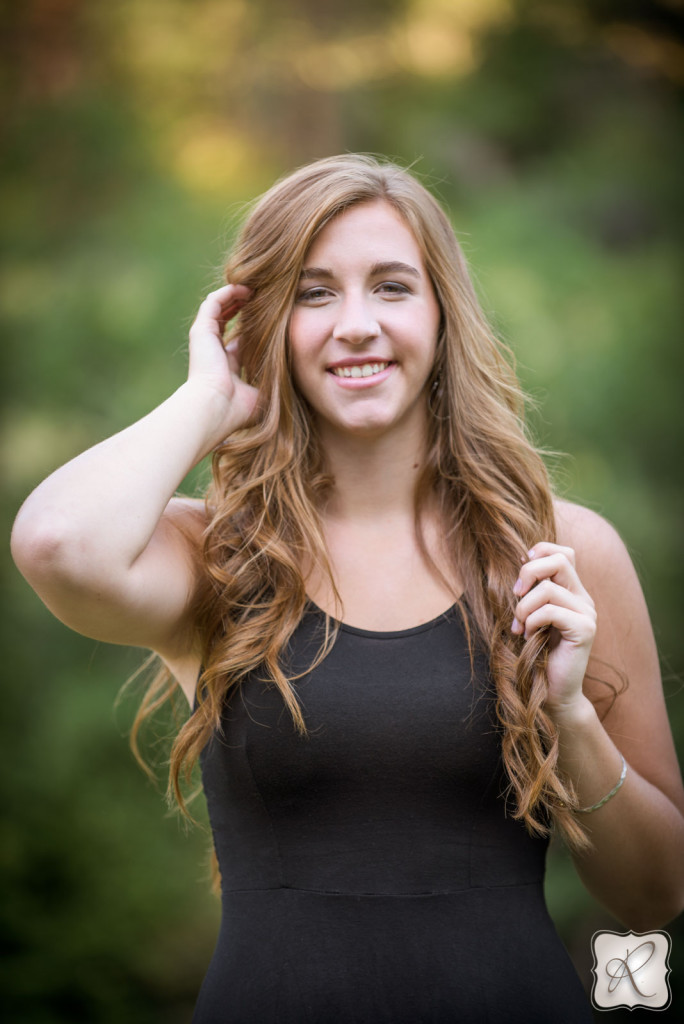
x: 489, y: 482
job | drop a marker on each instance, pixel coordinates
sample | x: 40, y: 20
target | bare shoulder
x: 182, y: 527
x: 603, y: 565
x: 173, y: 548
x: 187, y: 513
x: 602, y: 559
x: 584, y: 530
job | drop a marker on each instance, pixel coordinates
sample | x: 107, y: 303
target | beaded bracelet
x: 608, y: 796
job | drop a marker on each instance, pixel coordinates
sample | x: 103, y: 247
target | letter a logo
x: 631, y: 969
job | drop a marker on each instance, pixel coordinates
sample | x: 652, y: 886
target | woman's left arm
x: 587, y: 589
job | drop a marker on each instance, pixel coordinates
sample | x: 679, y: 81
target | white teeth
x: 365, y: 370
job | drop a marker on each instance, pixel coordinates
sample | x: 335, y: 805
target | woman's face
x: 364, y: 327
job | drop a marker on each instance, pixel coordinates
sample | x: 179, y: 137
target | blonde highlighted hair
x: 488, y: 481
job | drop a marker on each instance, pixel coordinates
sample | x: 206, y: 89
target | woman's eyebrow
x: 393, y: 267
x: 377, y: 270
x: 316, y: 272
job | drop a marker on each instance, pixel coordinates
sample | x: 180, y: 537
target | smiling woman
x: 363, y: 331
x: 390, y: 633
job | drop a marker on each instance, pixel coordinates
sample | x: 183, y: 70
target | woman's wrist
x: 587, y: 754
x: 572, y: 715
x: 212, y: 410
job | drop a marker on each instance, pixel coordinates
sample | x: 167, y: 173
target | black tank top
x: 369, y: 870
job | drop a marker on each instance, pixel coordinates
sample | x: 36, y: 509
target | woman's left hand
x: 550, y: 593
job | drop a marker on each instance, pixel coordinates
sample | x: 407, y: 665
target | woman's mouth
x: 361, y: 370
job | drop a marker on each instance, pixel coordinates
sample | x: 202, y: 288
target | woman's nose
x: 355, y: 322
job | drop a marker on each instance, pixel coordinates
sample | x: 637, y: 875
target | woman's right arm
x: 99, y: 540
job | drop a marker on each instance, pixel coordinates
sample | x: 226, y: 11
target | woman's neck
x: 373, y: 478
x: 385, y: 572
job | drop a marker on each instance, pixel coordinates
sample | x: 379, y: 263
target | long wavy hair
x: 481, y: 471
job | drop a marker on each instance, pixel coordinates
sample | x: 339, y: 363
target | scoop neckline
x: 388, y: 634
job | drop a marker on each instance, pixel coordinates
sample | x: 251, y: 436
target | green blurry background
x: 133, y: 132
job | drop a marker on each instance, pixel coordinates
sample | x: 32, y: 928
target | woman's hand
x: 215, y: 365
x: 551, y: 594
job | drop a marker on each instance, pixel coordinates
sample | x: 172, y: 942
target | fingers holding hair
x: 212, y: 359
x: 219, y: 308
x: 550, y: 592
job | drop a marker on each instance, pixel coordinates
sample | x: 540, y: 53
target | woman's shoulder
x: 585, y: 531
x: 601, y: 557
x: 188, y: 515
x: 194, y: 509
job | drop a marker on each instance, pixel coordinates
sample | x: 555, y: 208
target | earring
x: 435, y: 393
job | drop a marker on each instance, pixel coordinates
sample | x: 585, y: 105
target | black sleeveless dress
x: 370, y: 874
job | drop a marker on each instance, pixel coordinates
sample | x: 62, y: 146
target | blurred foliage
x: 133, y: 133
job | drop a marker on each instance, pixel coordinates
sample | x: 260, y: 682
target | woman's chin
x: 373, y: 425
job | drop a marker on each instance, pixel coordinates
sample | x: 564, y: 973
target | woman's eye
x: 313, y: 295
x: 393, y: 288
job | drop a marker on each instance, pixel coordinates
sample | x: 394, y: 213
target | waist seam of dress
x: 382, y: 895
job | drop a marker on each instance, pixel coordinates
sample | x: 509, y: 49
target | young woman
x: 406, y: 662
